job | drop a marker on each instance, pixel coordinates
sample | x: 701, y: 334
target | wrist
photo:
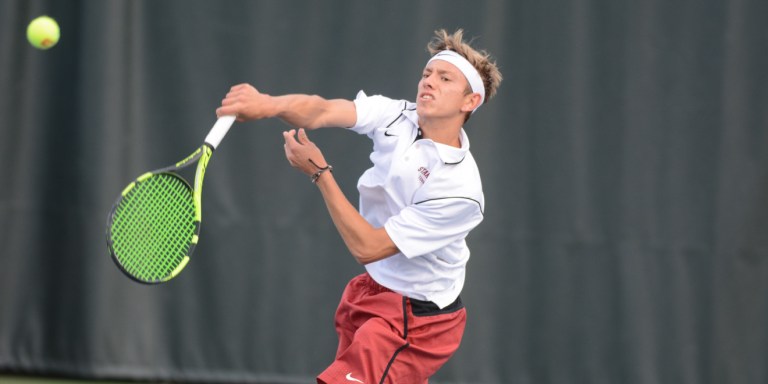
x: 275, y: 109
x: 316, y: 176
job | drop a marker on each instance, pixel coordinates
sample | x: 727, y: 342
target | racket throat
x: 202, y: 165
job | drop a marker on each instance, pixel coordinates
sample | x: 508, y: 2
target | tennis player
x: 402, y: 319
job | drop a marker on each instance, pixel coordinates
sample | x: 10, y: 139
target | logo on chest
x: 423, y: 174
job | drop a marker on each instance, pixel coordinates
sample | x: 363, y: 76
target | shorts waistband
x: 428, y: 308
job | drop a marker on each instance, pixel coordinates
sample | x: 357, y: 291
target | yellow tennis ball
x: 43, y: 32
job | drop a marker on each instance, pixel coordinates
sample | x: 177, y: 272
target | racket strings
x: 153, y: 227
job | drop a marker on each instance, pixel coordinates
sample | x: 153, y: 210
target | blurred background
x: 624, y: 162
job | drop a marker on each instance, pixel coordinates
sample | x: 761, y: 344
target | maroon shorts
x: 385, y: 337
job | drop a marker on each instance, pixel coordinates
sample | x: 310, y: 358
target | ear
x: 471, y: 102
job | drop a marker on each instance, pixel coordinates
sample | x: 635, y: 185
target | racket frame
x: 202, y: 156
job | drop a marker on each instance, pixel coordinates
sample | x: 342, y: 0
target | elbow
x: 362, y: 257
x: 366, y: 255
x: 368, y: 247
x: 313, y: 124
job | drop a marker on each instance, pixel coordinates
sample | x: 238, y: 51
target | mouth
x: 426, y: 96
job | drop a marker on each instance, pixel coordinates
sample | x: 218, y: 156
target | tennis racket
x: 153, y: 226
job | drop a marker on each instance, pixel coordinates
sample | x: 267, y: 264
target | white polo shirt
x: 427, y: 196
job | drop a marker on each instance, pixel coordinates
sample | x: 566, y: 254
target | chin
x: 421, y: 110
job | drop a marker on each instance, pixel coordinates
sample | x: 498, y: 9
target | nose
x: 426, y: 82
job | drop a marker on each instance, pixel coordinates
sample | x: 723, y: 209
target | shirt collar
x: 453, y: 155
x: 448, y: 154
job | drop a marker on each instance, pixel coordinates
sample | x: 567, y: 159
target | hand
x: 247, y: 103
x: 303, y: 154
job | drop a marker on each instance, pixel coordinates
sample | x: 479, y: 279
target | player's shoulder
x: 383, y: 103
x: 463, y: 174
x: 459, y: 181
x: 379, y: 112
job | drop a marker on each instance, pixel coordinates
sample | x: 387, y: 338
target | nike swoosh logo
x: 350, y: 378
x: 386, y: 133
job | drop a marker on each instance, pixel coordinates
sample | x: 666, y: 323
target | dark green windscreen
x: 624, y: 165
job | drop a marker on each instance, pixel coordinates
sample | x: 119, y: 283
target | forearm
x: 312, y: 112
x: 366, y: 243
x: 300, y: 111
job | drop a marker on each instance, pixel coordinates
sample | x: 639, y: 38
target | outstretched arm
x: 307, y: 111
x: 366, y: 243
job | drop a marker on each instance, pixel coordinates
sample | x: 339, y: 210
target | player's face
x: 443, y: 91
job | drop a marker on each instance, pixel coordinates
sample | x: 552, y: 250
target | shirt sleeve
x: 375, y: 112
x: 425, y: 227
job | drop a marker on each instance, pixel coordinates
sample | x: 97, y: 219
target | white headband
x: 469, y: 71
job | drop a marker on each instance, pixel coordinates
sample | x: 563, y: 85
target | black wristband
x: 317, y: 174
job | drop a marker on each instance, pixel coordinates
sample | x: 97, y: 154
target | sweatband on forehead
x: 469, y: 71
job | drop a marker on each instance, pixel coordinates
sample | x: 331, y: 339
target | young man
x: 403, y: 319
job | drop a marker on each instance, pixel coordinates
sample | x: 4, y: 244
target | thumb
x: 303, y: 138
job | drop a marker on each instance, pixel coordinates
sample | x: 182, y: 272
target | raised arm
x: 305, y: 111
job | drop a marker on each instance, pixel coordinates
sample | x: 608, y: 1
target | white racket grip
x: 219, y: 130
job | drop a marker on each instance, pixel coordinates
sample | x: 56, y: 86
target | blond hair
x: 481, y: 60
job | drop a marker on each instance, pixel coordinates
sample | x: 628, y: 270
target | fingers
x: 222, y: 111
x: 289, y: 155
x: 292, y: 135
x: 303, y: 138
x: 229, y: 100
x: 301, y: 153
x: 290, y: 144
x: 246, y: 86
x: 288, y: 136
x: 240, y: 87
x: 235, y: 99
x: 229, y: 106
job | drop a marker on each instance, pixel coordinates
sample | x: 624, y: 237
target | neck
x: 442, y: 131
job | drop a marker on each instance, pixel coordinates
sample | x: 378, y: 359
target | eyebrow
x: 439, y: 71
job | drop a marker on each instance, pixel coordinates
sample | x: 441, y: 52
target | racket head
x: 153, y: 227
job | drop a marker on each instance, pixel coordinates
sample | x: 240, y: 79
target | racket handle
x: 219, y: 130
